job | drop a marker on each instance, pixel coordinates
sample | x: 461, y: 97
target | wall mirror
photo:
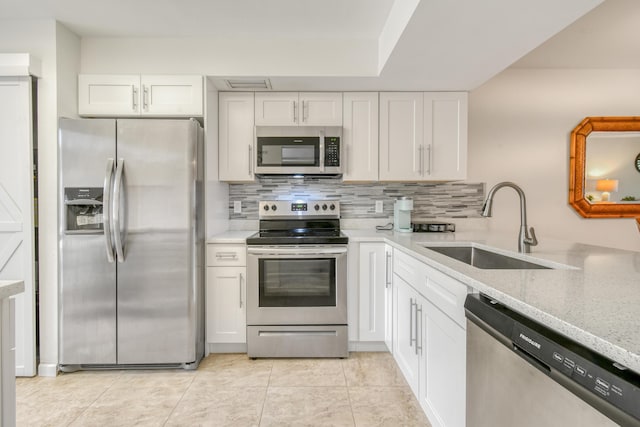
x: 604, y: 174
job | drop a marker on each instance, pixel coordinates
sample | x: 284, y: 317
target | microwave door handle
x: 321, y: 151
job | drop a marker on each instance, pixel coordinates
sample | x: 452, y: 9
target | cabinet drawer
x: 226, y: 255
x: 446, y: 293
x: 443, y: 291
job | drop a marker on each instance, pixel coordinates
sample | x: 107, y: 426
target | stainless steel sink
x: 485, y: 259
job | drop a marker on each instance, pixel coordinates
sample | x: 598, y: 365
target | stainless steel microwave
x: 298, y: 150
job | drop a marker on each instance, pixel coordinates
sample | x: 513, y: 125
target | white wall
x: 519, y: 127
x: 223, y: 57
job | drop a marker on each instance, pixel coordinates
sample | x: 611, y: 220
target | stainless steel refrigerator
x: 130, y: 243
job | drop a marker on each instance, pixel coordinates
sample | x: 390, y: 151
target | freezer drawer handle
x: 116, y: 210
x: 105, y: 212
x: 227, y: 255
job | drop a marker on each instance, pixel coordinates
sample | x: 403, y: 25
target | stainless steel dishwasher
x: 520, y: 373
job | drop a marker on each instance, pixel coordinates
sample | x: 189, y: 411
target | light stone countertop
x: 10, y: 287
x: 593, y: 297
x: 231, y: 236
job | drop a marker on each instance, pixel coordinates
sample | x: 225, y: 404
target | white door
x: 360, y: 136
x: 405, y: 338
x: 236, y: 135
x: 320, y: 109
x: 372, y: 291
x: 108, y: 95
x: 277, y: 109
x: 226, y: 308
x: 388, y: 298
x: 17, y: 211
x: 171, y: 96
x: 401, y: 136
x: 445, y: 135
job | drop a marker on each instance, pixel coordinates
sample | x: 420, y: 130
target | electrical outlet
x: 237, y: 207
x: 379, y: 206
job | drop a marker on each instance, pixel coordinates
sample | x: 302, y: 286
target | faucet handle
x: 531, y: 240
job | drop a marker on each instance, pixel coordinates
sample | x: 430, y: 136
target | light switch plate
x: 379, y: 206
x: 237, y: 207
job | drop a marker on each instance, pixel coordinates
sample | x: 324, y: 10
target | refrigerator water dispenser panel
x: 83, y: 209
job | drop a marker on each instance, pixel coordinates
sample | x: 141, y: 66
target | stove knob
x: 317, y: 207
x: 332, y: 207
x: 266, y: 207
x: 274, y: 208
x: 324, y: 207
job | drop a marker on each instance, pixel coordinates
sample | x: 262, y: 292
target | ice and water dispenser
x: 83, y: 209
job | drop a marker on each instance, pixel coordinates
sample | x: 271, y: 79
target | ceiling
x: 418, y: 44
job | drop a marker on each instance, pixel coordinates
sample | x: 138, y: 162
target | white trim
x: 226, y: 348
x: 19, y: 64
x: 47, y: 370
x: 378, y: 346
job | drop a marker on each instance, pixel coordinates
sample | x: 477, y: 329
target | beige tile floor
x: 367, y: 389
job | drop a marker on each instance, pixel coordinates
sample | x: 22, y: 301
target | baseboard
x: 376, y: 346
x: 47, y: 370
x: 226, y: 348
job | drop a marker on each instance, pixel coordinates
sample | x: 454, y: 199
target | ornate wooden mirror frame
x: 577, y: 174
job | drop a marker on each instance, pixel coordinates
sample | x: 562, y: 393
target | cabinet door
x: 445, y: 135
x: 373, y: 280
x: 388, y: 299
x: 401, y: 136
x: 443, y: 369
x: 107, y: 95
x: 405, y: 333
x: 320, y: 109
x: 276, y: 109
x: 172, y: 95
x: 236, y: 136
x: 226, y: 309
x: 360, y: 136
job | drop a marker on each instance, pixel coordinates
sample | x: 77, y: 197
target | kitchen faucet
x: 525, y: 241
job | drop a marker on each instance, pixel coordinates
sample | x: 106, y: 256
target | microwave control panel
x: 332, y: 151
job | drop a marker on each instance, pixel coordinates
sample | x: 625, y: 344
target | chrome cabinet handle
x: 388, y: 267
x: 421, y: 158
x: 145, y: 98
x: 116, y: 210
x: 295, y: 112
x: 250, y: 157
x: 227, y: 255
x: 240, y: 289
x: 428, y: 172
x: 106, y: 216
x: 134, y: 96
x: 411, y: 304
x: 304, y: 115
x: 418, y: 346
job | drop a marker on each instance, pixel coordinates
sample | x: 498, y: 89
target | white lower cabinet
x: 375, y: 285
x: 226, y: 294
x: 430, y: 338
x: 443, y: 379
x: 406, y: 343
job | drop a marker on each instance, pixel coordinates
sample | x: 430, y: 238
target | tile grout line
x: 346, y: 383
x: 180, y: 400
x: 266, y: 392
x: 94, y: 400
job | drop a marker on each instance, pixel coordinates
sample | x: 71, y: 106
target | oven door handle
x: 297, y: 250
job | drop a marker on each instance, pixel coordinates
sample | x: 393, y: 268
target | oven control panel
x: 298, y: 208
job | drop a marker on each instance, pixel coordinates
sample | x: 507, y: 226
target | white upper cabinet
x: 298, y: 109
x: 401, y: 129
x: 236, y: 135
x: 360, y: 136
x: 134, y: 95
x: 423, y: 136
x: 445, y: 135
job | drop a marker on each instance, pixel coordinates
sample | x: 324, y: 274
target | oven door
x: 297, y: 285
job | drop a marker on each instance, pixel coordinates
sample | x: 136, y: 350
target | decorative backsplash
x: 430, y: 200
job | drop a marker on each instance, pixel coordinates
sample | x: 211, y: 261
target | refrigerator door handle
x: 116, y: 210
x: 106, y: 217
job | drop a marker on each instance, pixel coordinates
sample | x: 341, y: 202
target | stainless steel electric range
x: 297, y: 281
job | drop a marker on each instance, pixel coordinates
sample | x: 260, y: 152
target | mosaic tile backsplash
x: 430, y: 200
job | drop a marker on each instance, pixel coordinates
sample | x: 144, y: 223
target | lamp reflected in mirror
x: 607, y: 186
